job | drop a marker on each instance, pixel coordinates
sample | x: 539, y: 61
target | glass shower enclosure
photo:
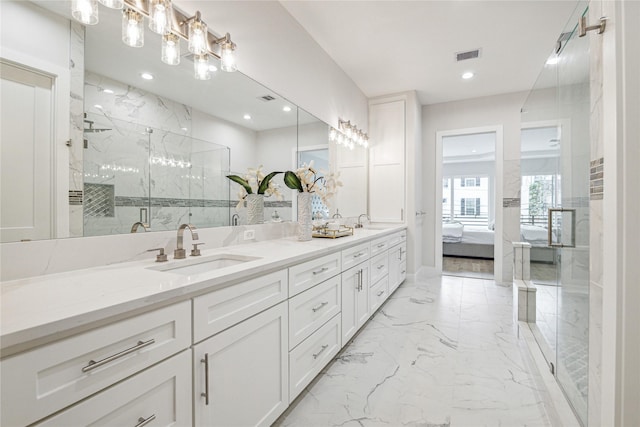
x: 555, y: 165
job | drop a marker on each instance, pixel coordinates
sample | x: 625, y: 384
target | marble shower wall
x: 76, y: 109
x: 147, y: 164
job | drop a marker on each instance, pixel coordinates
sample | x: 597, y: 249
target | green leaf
x: 292, y: 181
x: 265, y: 182
x: 241, y: 181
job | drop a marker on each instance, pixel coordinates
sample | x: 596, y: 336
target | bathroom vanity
x: 228, y: 338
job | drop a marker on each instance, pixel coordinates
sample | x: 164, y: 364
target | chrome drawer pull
x: 324, y: 347
x: 322, y: 270
x: 144, y: 422
x: 93, y: 364
x: 206, y: 378
x: 380, y: 293
x: 380, y: 266
x: 319, y: 306
x: 403, y: 271
x: 358, y: 273
x: 381, y: 245
x: 359, y: 254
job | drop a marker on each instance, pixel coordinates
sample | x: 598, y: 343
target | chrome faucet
x: 136, y: 225
x: 337, y: 214
x: 235, y: 219
x: 359, y: 224
x: 180, y: 253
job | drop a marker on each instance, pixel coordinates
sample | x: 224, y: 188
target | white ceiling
x: 394, y: 46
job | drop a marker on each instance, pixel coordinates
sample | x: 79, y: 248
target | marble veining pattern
x: 442, y: 351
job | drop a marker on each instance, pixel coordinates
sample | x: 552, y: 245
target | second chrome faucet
x: 180, y: 252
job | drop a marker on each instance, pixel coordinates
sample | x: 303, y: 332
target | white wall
x: 501, y: 110
x: 277, y: 52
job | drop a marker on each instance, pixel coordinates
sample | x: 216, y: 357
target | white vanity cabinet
x: 241, y: 374
x: 49, y: 378
x: 355, y: 299
x: 397, y: 266
x: 154, y: 397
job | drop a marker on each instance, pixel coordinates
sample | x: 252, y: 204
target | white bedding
x: 452, y: 232
x: 481, y: 235
x: 534, y: 234
x: 477, y: 235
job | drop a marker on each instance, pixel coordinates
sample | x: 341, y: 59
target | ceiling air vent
x: 471, y: 54
x: 266, y: 98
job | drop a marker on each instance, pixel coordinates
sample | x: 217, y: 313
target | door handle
x: 550, y: 214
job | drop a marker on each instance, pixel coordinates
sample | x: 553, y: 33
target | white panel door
x: 26, y: 147
x: 386, y: 172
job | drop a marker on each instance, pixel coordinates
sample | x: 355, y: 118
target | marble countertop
x: 39, y: 309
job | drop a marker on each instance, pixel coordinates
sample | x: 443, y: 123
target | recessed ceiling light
x: 107, y: 91
x: 147, y: 76
x: 553, y: 60
x: 213, y: 68
x: 247, y: 117
x: 286, y: 108
x: 467, y: 75
x: 98, y: 106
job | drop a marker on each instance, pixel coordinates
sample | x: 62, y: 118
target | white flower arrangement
x: 306, y: 180
x: 256, y: 182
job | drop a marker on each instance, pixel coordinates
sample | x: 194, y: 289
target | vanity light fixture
x: 348, y: 135
x: 85, y: 11
x: 113, y: 4
x: 170, y: 49
x: 160, y: 13
x: 468, y: 75
x: 201, y: 67
x: 165, y: 20
x: 132, y: 28
x: 213, y: 68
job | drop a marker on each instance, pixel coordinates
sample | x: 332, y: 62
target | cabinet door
x: 155, y: 397
x: 395, y: 255
x: 355, y: 300
x: 387, y: 160
x: 241, y: 375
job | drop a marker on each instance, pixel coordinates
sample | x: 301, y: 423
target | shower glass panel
x: 555, y: 204
x: 135, y: 173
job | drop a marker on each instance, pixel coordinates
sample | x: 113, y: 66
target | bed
x: 470, y: 241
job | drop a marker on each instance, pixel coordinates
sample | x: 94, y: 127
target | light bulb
x: 340, y: 139
x: 85, y: 11
x: 132, y: 28
x: 160, y: 12
x: 198, y: 37
x: 228, y: 56
x: 332, y: 134
x: 113, y: 4
x: 348, y: 131
x: 170, y: 49
x: 201, y: 67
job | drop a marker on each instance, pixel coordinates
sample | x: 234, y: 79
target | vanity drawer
x: 355, y: 255
x: 308, y: 274
x: 307, y: 360
x: 379, y: 267
x: 44, y: 380
x: 378, y: 294
x: 379, y: 245
x: 312, y: 308
x: 228, y: 306
x: 398, y: 238
x: 156, y: 395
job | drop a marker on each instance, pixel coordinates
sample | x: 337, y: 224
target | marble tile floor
x: 467, y: 267
x: 442, y: 351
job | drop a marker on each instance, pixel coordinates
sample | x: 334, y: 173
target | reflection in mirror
x: 190, y: 120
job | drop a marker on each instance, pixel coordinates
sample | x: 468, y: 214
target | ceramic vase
x: 305, y: 225
x: 255, y: 208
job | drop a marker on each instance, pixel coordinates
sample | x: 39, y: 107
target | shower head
x: 91, y: 129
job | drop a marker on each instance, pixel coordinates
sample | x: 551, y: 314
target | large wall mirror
x: 156, y: 151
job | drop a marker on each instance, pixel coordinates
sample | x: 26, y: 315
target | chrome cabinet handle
x: 358, y: 273
x: 93, y: 364
x: 144, y: 421
x: 206, y: 378
x: 380, y: 293
x: 361, y: 279
x: 324, y: 347
x: 322, y: 270
x: 359, y: 254
x: 380, y: 266
x: 319, y: 306
x: 403, y: 271
x: 381, y: 245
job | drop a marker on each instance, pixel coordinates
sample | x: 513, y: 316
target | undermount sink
x: 204, y: 264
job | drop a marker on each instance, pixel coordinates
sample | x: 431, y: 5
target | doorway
x: 468, y: 204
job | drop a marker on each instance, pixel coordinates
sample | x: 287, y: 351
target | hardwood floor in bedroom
x: 467, y: 267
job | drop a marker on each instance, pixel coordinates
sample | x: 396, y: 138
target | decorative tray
x: 332, y: 234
